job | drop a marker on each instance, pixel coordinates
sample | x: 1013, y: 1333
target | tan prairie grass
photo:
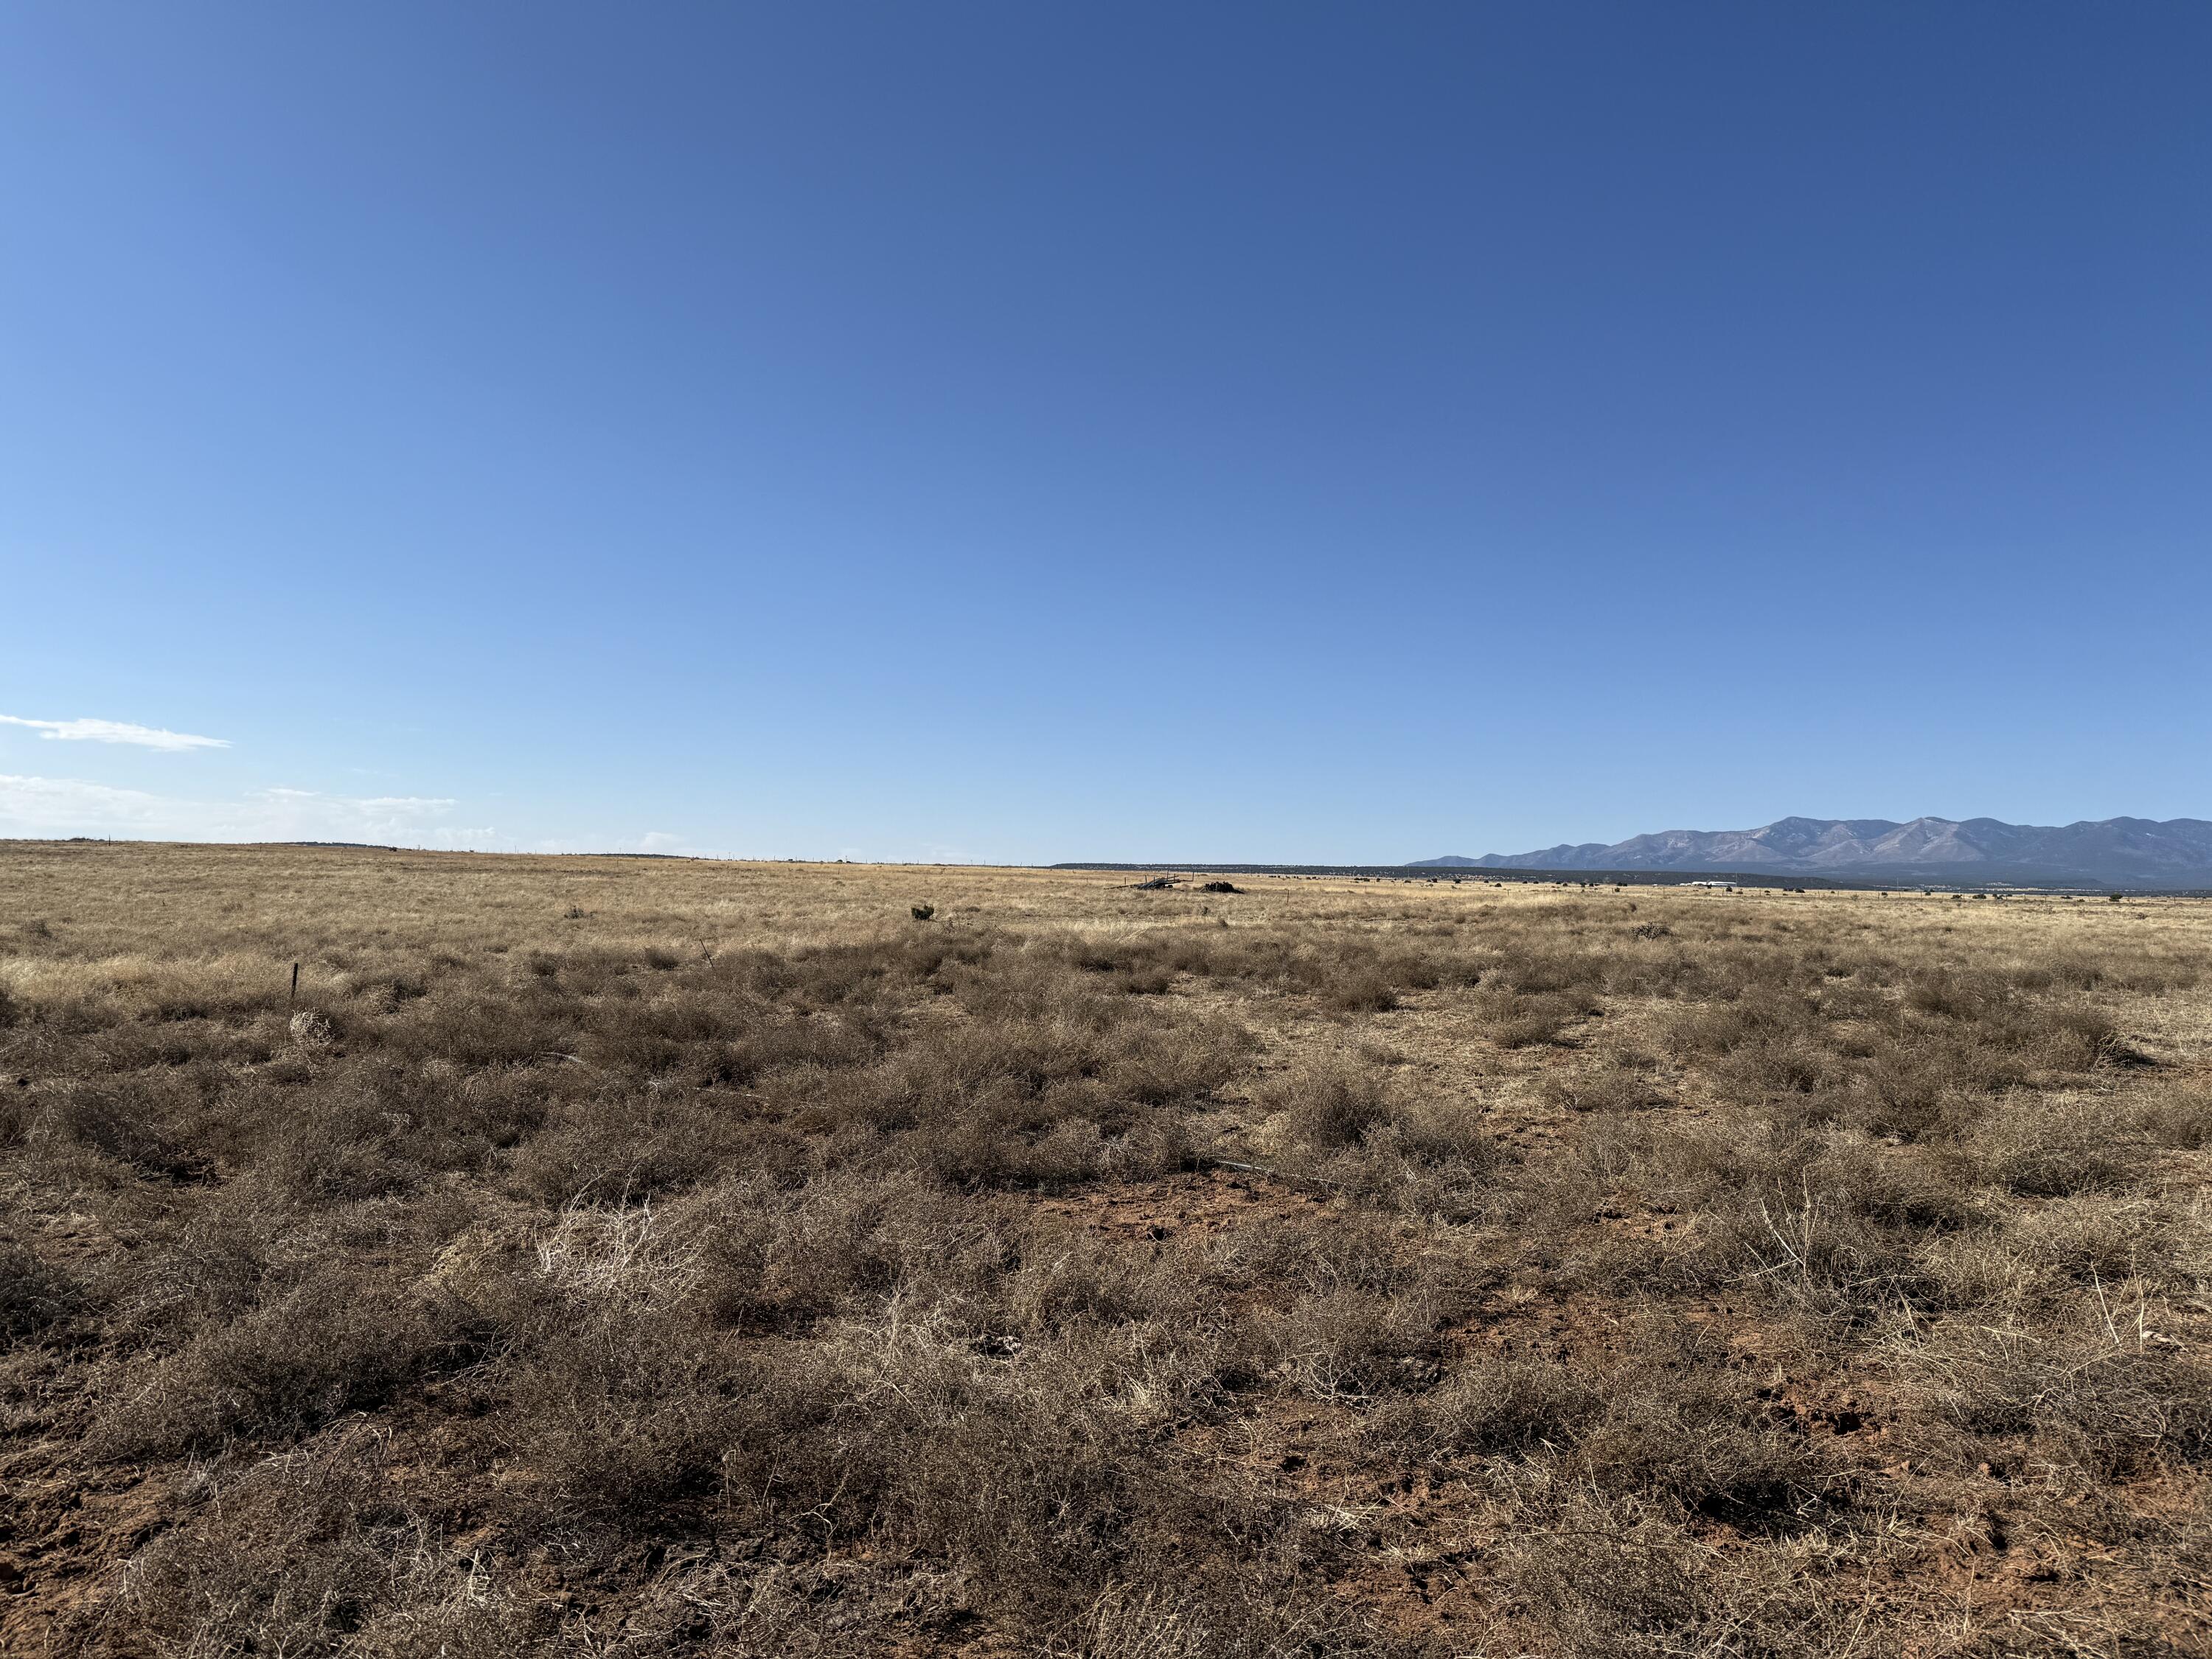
x: 639, y: 1256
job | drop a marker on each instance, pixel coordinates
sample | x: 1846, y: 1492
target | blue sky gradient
x: 1012, y: 433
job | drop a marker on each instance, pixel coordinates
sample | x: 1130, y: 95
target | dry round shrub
x: 36, y: 1296
x: 2054, y: 1148
x: 1517, y: 1403
x: 1328, y: 1107
x: 340, y: 1341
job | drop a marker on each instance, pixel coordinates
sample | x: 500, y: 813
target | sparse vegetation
x: 655, y: 1258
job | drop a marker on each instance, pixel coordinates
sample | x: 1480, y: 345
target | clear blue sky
x: 1020, y: 431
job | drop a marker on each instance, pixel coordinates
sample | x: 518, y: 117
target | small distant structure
x: 1708, y: 883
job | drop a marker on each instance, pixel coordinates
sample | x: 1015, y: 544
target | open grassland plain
x: 619, y: 1257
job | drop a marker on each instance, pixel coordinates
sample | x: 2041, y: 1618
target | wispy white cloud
x: 653, y: 840
x: 73, y: 806
x: 52, y: 807
x: 91, y: 731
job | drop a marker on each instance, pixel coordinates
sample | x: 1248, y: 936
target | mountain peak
x: 2141, y: 852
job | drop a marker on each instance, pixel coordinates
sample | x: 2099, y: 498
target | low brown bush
x: 2088, y: 1400
x: 336, y: 1344
x: 2047, y: 1150
x: 1622, y: 1081
x: 37, y: 1297
x: 1327, y: 1108
x: 1520, y: 1403
x: 310, y: 1553
x: 1679, y: 1425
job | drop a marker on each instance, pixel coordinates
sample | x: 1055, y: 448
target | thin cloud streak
x: 37, y: 806
x: 93, y: 731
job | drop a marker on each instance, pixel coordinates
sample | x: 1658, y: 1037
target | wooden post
x: 295, y: 1000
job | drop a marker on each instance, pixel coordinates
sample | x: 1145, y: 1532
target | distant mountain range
x: 2131, y: 852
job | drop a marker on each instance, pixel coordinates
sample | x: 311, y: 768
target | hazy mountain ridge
x: 2176, y: 852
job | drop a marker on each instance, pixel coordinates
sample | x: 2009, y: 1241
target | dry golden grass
x: 615, y: 1256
